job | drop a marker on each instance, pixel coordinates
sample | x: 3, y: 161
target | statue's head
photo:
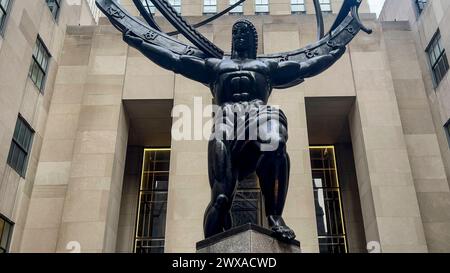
x: 244, y: 39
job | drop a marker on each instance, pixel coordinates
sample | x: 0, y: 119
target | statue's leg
x: 273, y: 173
x: 223, y: 182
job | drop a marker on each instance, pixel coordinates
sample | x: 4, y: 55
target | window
x: 325, y: 5
x: 4, y: 9
x: 327, y: 200
x: 438, y: 58
x: 209, y: 6
x: 148, y: 4
x: 261, y: 6
x: 238, y: 9
x: 176, y: 4
x: 421, y: 5
x: 20, y: 147
x: 298, y: 6
x: 5, y: 233
x: 54, y: 6
x: 152, y: 210
x: 39, y: 64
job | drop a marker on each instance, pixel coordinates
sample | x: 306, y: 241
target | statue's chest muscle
x: 228, y: 66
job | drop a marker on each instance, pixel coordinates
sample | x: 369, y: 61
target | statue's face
x: 242, y: 36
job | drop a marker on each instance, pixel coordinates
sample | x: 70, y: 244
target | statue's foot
x: 280, y: 229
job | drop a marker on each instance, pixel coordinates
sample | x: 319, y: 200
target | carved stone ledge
x: 247, y: 239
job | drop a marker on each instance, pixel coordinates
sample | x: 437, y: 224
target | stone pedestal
x: 247, y: 239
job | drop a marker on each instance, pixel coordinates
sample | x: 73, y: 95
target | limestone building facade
x: 429, y: 24
x: 89, y: 161
x: 25, y: 100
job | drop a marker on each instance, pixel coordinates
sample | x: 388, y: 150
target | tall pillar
x: 300, y: 210
x: 388, y: 197
x: 427, y: 164
x: 249, y: 7
x: 54, y: 164
x: 280, y: 7
x: 192, y: 7
x: 92, y: 201
x: 189, y: 191
x: 78, y: 185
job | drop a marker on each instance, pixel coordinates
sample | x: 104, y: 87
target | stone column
x: 189, y: 191
x: 351, y: 205
x: 427, y: 164
x: 388, y: 198
x: 280, y: 7
x: 221, y: 5
x: 300, y: 211
x: 192, y: 7
x: 249, y: 7
x: 130, y: 199
x: 53, y: 169
x: 92, y: 200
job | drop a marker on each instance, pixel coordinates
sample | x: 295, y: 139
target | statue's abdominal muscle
x: 235, y: 84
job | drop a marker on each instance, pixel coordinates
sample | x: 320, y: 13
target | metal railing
x: 149, y: 245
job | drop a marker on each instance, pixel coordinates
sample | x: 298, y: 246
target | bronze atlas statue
x: 241, y: 83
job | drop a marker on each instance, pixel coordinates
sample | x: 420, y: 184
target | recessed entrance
x: 152, y: 205
x: 340, y: 225
x: 328, y: 200
x: 142, y: 221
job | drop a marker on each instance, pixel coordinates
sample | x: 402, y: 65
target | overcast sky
x: 376, y: 5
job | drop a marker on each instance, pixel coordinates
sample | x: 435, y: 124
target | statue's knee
x: 276, y: 144
x: 221, y: 202
x: 281, y: 141
x: 274, y: 139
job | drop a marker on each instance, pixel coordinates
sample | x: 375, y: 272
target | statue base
x: 248, y: 238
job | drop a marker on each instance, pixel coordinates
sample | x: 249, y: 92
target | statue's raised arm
x: 160, y: 47
x: 287, y: 69
x: 189, y: 66
x: 291, y: 68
